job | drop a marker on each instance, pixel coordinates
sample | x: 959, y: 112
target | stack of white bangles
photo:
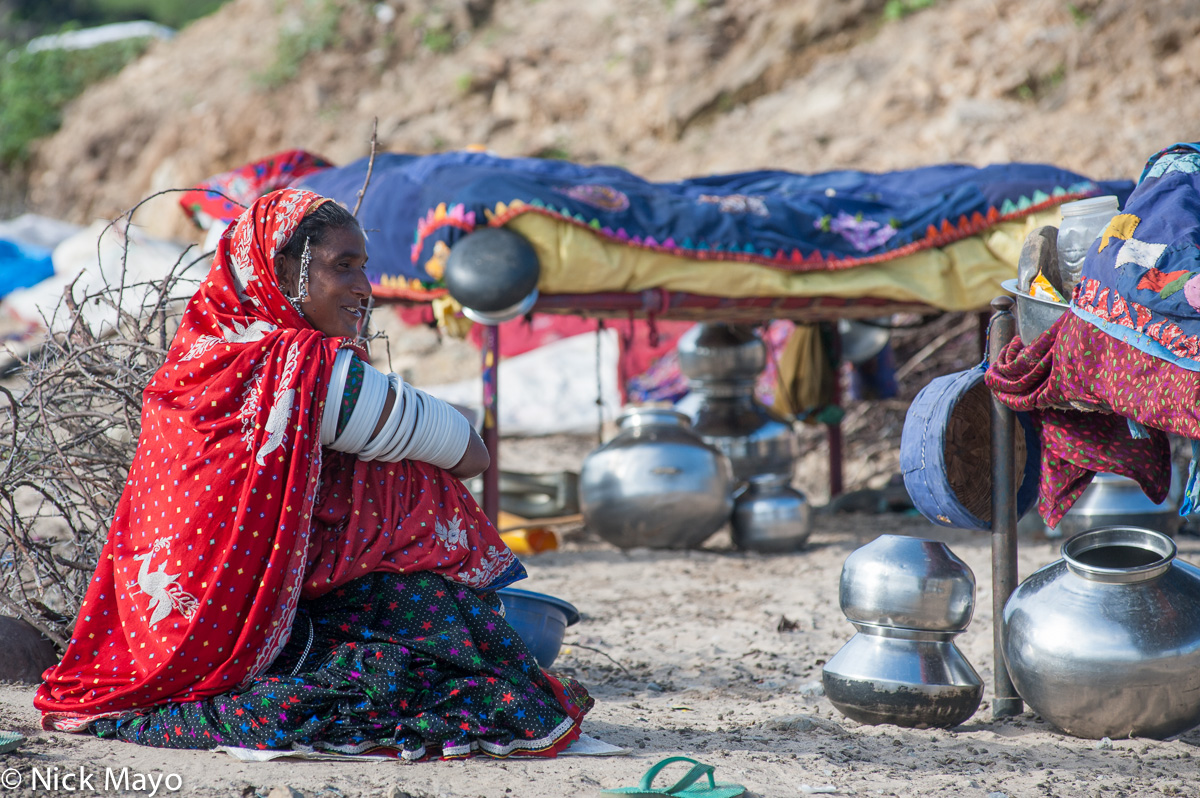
x: 419, y: 426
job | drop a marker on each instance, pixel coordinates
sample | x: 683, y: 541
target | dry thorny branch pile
x: 70, y: 433
x: 73, y: 425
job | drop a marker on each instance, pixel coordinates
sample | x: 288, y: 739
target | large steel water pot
x: 769, y: 515
x: 655, y: 483
x: 1106, y: 641
x: 908, y: 598
x: 1114, y: 500
x: 902, y: 677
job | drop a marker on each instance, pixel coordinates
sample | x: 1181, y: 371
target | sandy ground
x: 684, y: 653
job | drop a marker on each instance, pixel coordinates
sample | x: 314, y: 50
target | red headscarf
x: 198, y: 582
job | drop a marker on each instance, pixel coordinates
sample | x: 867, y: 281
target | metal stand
x: 833, y: 432
x: 491, y: 422
x: 1005, y: 701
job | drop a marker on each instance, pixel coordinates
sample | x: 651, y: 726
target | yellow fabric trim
x: 450, y: 319
x: 965, y: 275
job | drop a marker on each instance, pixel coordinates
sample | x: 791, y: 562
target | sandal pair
x: 686, y: 787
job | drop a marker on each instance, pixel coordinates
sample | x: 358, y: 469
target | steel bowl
x: 863, y: 340
x: 1034, y: 315
x: 494, y: 317
x: 540, y: 620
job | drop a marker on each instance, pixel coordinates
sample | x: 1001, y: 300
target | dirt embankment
x: 666, y: 89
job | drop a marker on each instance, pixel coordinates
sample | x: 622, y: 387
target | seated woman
x: 294, y: 558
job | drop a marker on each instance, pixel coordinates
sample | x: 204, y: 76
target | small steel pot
x: 769, y: 515
x: 714, y: 352
x: 754, y: 438
x: 1114, y: 500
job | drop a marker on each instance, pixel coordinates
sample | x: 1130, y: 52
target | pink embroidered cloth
x: 1080, y: 385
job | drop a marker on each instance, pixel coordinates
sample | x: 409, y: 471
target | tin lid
x: 652, y: 415
x: 1084, y: 207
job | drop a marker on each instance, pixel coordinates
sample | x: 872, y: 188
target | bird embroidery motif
x: 239, y: 334
x: 281, y: 410
x: 162, y: 588
x: 246, y: 333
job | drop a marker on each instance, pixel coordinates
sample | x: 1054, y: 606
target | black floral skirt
x: 410, y: 662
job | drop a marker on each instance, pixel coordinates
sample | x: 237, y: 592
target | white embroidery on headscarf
x: 281, y: 410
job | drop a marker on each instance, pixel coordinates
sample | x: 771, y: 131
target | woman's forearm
x: 474, y: 461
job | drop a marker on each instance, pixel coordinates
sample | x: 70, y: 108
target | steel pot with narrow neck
x: 902, y: 677
x: 769, y: 515
x: 1106, y: 641
x: 907, y: 582
x: 755, y: 439
x: 908, y: 598
x: 655, y: 483
x: 714, y: 352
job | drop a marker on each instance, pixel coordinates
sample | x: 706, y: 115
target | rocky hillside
x: 665, y: 88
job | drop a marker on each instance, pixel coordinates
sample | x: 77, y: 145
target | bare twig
x: 366, y: 324
x: 370, y: 166
x: 603, y: 654
x: 966, y: 324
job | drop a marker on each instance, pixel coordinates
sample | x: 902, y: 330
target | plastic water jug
x: 1082, y: 223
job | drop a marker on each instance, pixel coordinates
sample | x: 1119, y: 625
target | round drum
x: 946, y: 456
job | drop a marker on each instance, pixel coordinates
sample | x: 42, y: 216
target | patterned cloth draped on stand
x: 234, y: 524
x: 1123, y: 366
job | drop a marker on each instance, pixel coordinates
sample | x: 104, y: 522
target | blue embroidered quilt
x: 1141, y: 278
x: 830, y: 220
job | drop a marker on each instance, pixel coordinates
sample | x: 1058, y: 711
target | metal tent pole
x: 1005, y: 701
x: 833, y: 432
x: 491, y: 424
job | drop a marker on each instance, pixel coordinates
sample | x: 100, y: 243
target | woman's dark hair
x: 327, y: 216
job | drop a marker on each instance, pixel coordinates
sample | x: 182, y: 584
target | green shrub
x: 438, y: 40
x: 34, y: 88
x: 896, y: 9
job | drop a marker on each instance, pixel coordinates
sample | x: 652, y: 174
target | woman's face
x: 338, y: 288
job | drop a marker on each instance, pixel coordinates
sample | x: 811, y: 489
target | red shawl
x: 198, y: 582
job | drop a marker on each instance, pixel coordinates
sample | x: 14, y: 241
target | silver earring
x: 302, y: 286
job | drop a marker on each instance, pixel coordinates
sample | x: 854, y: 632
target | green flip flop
x: 686, y: 787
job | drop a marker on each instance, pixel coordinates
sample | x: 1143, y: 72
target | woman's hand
x: 474, y: 461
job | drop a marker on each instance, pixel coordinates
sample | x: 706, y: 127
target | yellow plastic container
x: 524, y: 536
